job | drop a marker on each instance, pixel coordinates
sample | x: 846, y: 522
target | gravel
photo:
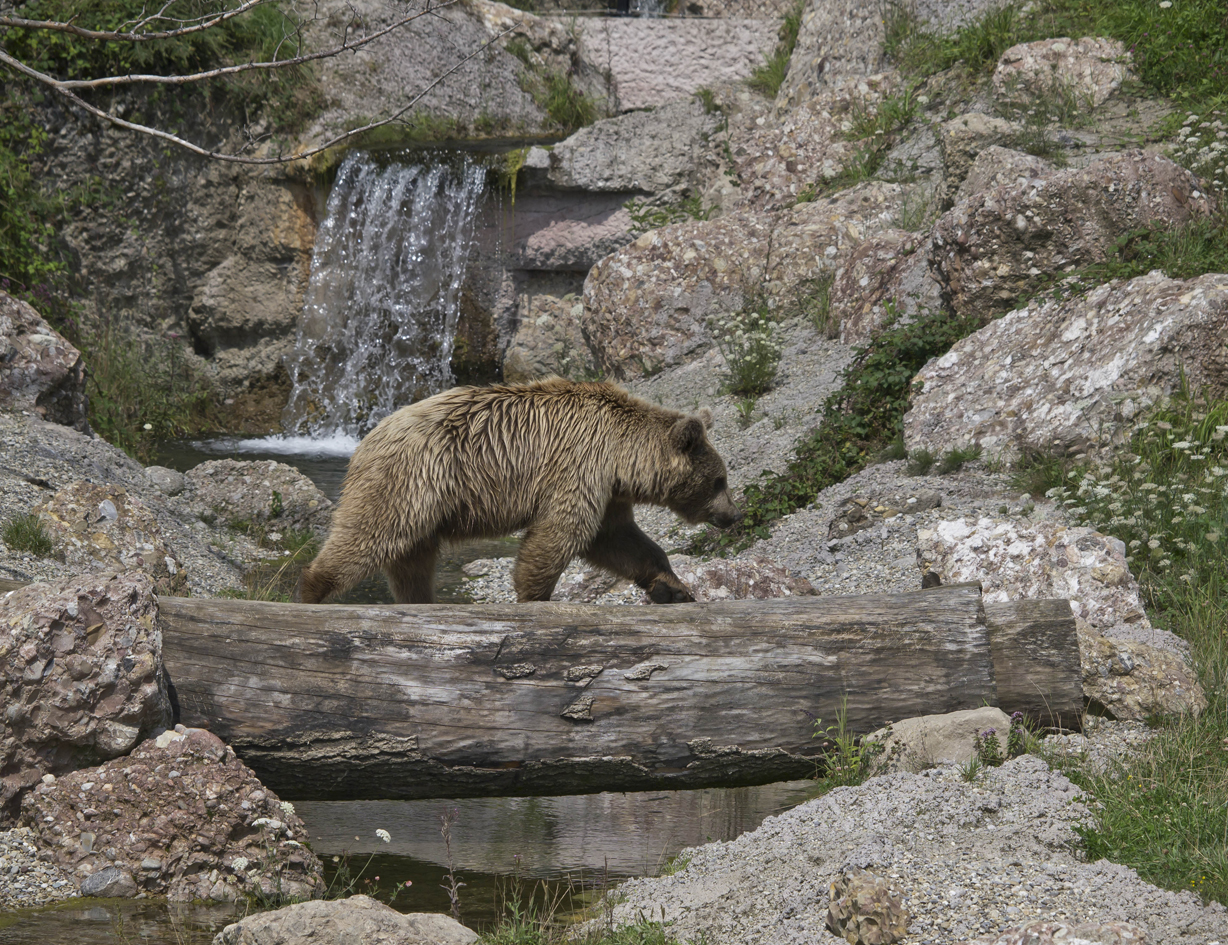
x: 25, y: 881
x: 970, y: 859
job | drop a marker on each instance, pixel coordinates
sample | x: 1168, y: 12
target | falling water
x: 382, y: 305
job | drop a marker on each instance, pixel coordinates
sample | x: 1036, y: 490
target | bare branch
x: 71, y: 96
x: 131, y: 36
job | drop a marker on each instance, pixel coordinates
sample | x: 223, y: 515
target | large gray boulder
x: 1001, y: 243
x: 40, y: 371
x: 180, y: 816
x: 1086, y: 71
x: 358, y: 920
x: 648, y: 306
x: 886, y: 276
x: 244, y: 493
x: 81, y: 676
x: 1072, y: 375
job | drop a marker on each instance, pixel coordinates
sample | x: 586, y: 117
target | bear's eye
x: 719, y: 485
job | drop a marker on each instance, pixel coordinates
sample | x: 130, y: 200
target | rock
x: 791, y: 151
x: 919, y: 743
x: 997, y: 166
x: 169, y: 481
x: 39, y: 370
x: 181, y: 816
x: 240, y: 493
x: 104, y: 527
x: 961, y: 140
x: 861, y: 512
x: 82, y: 676
x: 643, y: 151
x: 1132, y: 680
x: 358, y: 920
x: 1051, y: 932
x: 1128, y: 666
x: 647, y: 307
x: 1093, y: 362
x: 109, y: 883
x: 996, y: 245
x: 654, y: 60
x: 571, y: 245
x: 748, y: 577
x: 865, y: 910
x: 548, y: 341
x: 886, y: 276
x: 1087, y: 70
x: 836, y: 40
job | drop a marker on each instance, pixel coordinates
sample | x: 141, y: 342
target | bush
x: 752, y: 349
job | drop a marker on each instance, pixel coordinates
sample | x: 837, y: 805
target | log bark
x: 1036, y: 661
x: 443, y: 700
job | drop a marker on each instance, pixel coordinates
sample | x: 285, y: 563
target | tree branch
x: 131, y: 37
x: 64, y: 90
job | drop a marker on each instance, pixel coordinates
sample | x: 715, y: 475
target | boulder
x: 169, y: 482
x: 648, y: 306
x: 1087, y: 70
x: 837, y: 39
x: 358, y: 920
x: 865, y: 910
x: 548, y: 341
x: 1054, y: 932
x: 1129, y: 667
x: 796, y: 149
x: 81, y: 677
x: 574, y: 245
x: 961, y: 140
x: 997, y: 245
x: 40, y: 371
x: 95, y: 527
x: 244, y: 493
x: 640, y: 152
x: 886, y: 276
x: 861, y: 511
x: 997, y: 166
x: 180, y: 816
x: 1091, y: 364
x: 929, y: 740
x: 749, y: 577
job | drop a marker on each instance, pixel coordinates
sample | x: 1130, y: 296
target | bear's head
x: 701, y: 492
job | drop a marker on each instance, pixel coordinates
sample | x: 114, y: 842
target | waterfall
x: 383, y: 301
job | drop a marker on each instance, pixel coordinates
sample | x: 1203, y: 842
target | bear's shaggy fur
x: 565, y: 462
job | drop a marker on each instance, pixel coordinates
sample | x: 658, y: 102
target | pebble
x: 25, y: 881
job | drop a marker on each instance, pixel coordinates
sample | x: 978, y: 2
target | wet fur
x: 565, y: 462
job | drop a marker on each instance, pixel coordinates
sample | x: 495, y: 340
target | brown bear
x: 565, y: 462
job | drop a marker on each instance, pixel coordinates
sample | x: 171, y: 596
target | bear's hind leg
x: 411, y: 577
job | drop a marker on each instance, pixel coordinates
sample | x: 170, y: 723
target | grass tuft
x: 954, y: 460
x: 25, y: 533
x: 920, y: 462
x: 769, y: 77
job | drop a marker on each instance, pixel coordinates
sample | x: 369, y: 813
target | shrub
x: 750, y: 342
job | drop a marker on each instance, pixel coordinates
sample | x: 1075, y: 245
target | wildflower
x: 1165, y: 4
x: 149, y: 426
x: 239, y: 863
x: 1212, y: 537
x: 1153, y: 544
x: 287, y: 808
x: 384, y: 835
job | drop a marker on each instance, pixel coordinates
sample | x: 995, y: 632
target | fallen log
x: 349, y: 702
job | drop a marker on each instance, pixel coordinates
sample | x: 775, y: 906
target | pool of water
x: 324, y: 462
x: 564, y: 850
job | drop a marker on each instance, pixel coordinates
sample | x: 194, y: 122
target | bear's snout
x: 724, y: 513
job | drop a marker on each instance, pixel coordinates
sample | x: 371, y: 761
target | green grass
x: 856, y: 423
x: 769, y: 77
x: 1180, y: 51
x: 1165, y: 812
x: 646, y: 216
x: 886, y: 116
x: 25, y: 533
x: 275, y: 579
x: 954, y: 460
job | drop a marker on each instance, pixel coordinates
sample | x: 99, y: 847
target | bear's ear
x: 705, y: 417
x: 686, y: 433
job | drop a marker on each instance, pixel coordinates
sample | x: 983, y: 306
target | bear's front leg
x: 622, y: 547
x: 544, y: 553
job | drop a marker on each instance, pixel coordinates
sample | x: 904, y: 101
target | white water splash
x: 383, y: 302
x: 339, y: 444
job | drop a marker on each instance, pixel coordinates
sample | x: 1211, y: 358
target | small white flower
x: 384, y: 835
x: 287, y: 808
x: 149, y: 426
x: 1165, y: 4
x: 239, y: 863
